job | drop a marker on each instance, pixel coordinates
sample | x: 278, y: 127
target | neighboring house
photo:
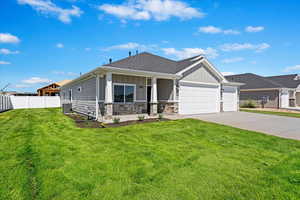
x: 53, y: 89
x: 270, y: 92
x: 146, y: 83
x: 14, y: 93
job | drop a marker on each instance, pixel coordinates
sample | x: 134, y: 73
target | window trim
x: 124, y: 84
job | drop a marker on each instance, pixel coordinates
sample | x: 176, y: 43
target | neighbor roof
x: 253, y: 81
x: 287, y: 81
x: 63, y: 82
x: 149, y: 62
x: 60, y: 84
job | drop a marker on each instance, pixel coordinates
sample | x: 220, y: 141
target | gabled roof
x: 149, y: 62
x: 59, y: 83
x: 146, y: 62
x: 63, y: 82
x: 288, y: 81
x: 253, y: 81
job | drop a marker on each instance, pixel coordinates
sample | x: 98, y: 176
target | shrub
x: 160, y: 116
x: 141, y: 118
x: 116, y: 120
x: 248, y: 104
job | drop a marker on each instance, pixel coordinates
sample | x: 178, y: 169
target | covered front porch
x: 124, y: 94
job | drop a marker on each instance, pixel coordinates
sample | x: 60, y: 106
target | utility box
x: 67, y: 108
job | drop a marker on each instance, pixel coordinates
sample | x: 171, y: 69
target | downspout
x: 221, y: 98
x: 279, y: 98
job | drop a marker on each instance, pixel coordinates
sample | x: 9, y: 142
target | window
x: 79, y: 89
x: 124, y: 93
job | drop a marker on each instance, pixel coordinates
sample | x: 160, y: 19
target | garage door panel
x: 196, y: 99
x: 230, y: 98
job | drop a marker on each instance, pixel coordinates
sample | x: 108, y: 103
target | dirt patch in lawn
x: 84, y: 122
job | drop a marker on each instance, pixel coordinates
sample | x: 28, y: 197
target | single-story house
x: 147, y: 83
x: 52, y: 89
x: 270, y: 91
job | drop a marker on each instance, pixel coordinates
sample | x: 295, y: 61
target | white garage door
x: 284, y: 99
x: 196, y: 98
x: 230, y: 98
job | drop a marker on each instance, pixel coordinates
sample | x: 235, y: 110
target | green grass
x: 286, y: 114
x: 44, y: 156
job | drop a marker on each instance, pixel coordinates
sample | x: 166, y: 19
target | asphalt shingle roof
x: 287, y: 81
x: 149, y: 62
x: 253, y: 81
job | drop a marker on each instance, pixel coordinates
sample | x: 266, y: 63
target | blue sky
x: 51, y: 40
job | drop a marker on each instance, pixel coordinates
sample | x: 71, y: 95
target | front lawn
x: 286, y: 114
x: 43, y: 155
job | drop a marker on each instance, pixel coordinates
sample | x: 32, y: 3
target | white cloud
x: 59, y: 45
x: 244, y: 46
x: 232, y: 60
x: 227, y: 73
x: 158, y: 10
x: 49, y: 8
x: 131, y: 46
x: 231, y: 32
x: 292, y: 68
x: 8, y: 38
x: 216, y: 30
x: 22, y: 86
x: 87, y: 49
x: 254, y: 29
x: 7, y: 52
x: 4, y: 63
x: 210, y: 29
x: 65, y: 73
x: 36, y: 80
x: 190, y: 52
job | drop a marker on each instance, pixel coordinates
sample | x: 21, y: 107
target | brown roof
x: 63, y: 82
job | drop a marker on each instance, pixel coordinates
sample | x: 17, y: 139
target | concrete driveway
x: 286, y: 127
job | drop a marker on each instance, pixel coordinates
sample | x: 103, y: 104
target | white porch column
x: 174, y: 90
x: 97, y: 96
x: 108, y: 95
x: 154, y: 90
x: 153, y: 103
x: 108, y: 88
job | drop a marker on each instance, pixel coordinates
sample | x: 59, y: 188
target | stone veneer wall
x: 167, y: 107
x: 130, y: 108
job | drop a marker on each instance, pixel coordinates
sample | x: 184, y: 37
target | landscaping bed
x: 84, y: 122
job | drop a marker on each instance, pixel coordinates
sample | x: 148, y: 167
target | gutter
x: 103, y: 69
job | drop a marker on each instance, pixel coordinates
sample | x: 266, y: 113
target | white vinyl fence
x: 5, y: 103
x: 19, y: 102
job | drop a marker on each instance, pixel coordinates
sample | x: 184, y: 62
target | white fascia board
x: 207, y: 64
x: 214, y: 69
x: 102, y: 69
x: 189, y: 67
x: 85, y: 76
x: 140, y: 73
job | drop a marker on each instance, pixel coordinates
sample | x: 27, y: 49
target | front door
x: 148, y: 98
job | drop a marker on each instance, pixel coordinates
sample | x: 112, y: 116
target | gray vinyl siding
x: 88, y: 89
x: 298, y: 98
x: 164, y: 89
x: 200, y: 74
x: 257, y: 96
x: 102, y: 85
x: 140, y: 83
